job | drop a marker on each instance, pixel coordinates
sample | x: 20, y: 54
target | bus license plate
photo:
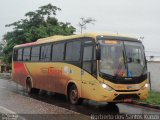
x: 127, y: 100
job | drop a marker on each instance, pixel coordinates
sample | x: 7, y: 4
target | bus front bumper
x: 114, y: 96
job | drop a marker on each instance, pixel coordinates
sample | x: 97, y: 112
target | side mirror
x: 98, y: 54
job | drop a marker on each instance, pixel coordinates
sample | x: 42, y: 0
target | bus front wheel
x: 112, y: 103
x: 73, y: 96
x: 29, y: 88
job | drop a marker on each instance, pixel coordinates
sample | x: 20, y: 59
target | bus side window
x: 35, y: 53
x: 45, y: 53
x: 58, y: 52
x: 87, y: 57
x: 20, y: 54
x: 15, y: 55
x: 73, y: 51
x: 26, y: 54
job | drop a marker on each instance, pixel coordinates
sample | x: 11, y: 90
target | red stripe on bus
x: 20, y: 67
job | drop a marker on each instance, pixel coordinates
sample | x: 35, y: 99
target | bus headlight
x: 106, y: 87
x: 145, y: 86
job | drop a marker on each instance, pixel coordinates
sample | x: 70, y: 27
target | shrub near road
x: 5, y: 76
x: 153, y: 98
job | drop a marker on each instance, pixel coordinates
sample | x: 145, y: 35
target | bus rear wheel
x: 29, y: 88
x: 73, y: 96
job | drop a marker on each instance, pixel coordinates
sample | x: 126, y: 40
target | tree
x: 37, y: 24
x: 84, y: 22
x: 2, y: 45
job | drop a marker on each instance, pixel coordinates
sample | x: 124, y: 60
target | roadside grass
x: 153, y: 98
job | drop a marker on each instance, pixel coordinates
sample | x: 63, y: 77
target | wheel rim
x: 74, y: 96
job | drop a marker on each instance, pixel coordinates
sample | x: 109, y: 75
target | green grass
x: 153, y: 98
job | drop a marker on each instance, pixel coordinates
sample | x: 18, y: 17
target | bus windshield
x: 122, y: 58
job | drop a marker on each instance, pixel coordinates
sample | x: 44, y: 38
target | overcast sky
x: 131, y: 17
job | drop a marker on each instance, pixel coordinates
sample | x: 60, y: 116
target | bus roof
x: 61, y: 38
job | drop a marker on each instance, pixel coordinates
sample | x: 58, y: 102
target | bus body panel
x: 19, y: 73
x: 110, y: 95
x: 56, y: 75
x: 91, y: 89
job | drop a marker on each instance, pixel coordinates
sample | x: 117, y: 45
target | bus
x: 100, y: 67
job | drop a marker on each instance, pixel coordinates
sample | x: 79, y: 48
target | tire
x: 73, y: 96
x: 112, y: 103
x: 29, y: 88
x: 35, y: 90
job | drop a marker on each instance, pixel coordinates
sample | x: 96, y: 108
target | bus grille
x: 127, y: 96
x: 126, y: 90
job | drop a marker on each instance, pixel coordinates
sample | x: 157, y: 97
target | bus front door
x: 88, y: 72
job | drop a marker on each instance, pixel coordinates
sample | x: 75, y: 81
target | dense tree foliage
x: 37, y: 24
